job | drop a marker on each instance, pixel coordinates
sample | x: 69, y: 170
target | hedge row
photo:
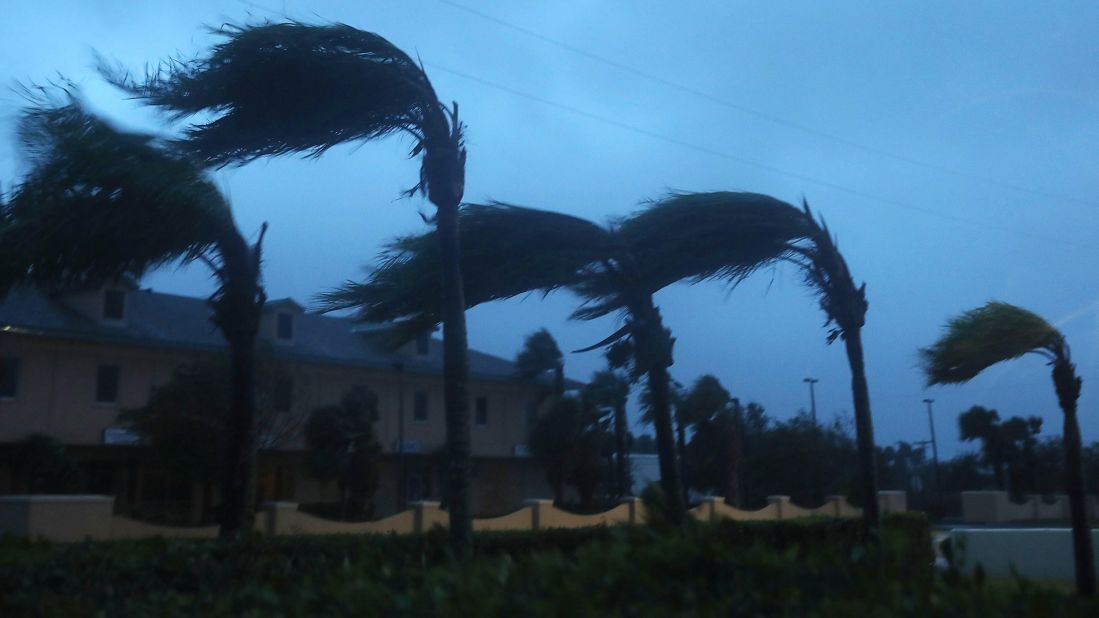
x: 825, y: 568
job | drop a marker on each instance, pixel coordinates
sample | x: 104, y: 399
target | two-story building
x: 70, y: 361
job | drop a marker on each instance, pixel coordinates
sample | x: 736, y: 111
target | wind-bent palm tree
x: 617, y: 269
x: 845, y: 305
x: 608, y: 390
x: 283, y: 88
x: 998, y: 332
x: 540, y: 354
x: 100, y: 203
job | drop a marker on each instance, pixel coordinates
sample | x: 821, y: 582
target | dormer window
x: 284, y: 326
x: 114, y: 304
x: 423, y: 344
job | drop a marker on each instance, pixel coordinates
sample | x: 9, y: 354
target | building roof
x: 171, y: 321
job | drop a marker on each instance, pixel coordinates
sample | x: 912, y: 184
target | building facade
x: 71, y: 361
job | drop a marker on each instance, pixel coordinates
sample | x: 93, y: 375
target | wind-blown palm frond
x: 507, y: 250
x: 827, y: 275
x: 100, y: 202
x: 540, y: 354
x: 985, y: 336
x: 692, y: 237
x: 281, y: 88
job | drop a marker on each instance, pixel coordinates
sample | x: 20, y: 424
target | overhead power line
x: 753, y: 163
x: 790, y: 124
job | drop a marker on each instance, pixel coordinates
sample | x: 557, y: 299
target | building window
x: 114, y: 304
x: 284, y: 326
x: 106, y: 384
x: 284, y: 394
x: 480, y: 411
x: 9, y: 377
x: 423, y: 344
x: 419, y: 406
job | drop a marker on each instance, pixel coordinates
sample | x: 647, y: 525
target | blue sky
x: 950, y: 146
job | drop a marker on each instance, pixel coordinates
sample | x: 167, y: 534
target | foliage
x: 94, y: 204
x: 41, y: 465
x: 815, y: 567
x: 567, y: 440
x: 185, y: 418
x: 342, y: 446
x: 985, y: 336
x: 539, y: 355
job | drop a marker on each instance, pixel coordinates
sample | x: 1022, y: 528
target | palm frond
x: 539, y: 354
x: 719, y: 235
x: 827, y: 275
x: 506, y: 251
x: 281, y: 88
x: 100, y: 202
x: 985, y: 336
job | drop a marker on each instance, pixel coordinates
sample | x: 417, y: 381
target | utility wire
x: 764, y: 115
x: 753, y: 163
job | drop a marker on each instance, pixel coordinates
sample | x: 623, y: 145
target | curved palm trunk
x: 621, y: 463
x: 1068, y: 392
x: 653, y: 350
x: 444, y: 170
x: 237, y: 312
x: 864, y: 427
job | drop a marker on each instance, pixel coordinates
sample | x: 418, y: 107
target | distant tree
x: 539, y: 355
x: 705, y: 409
x: 998, y: 332
x: 566, y: 440
x: 643, y: 444
x: 186, y: 419
x: 983, y: 425
x: 41, y: 465
x: 342, y: 446
x: 280, y: 88
x: 607, y: 390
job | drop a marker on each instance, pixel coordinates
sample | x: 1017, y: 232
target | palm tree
x: 539, y: 355
x: 95, y: 207
x: 282, y: 88
x: 845, y: 305
x: 342, y: 446
x: 616, y: 269
x: 998, y: 332
x: 608, y: 390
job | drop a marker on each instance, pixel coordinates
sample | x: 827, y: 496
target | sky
x: 951, y: 147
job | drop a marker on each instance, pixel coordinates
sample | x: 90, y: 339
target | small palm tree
x: 101, y: 203
x: 616, y: 269
x: 539, y: 355
x: 998, y: 332
x: 608, y: 390
x: 285, y: 88
x: 342, y: 446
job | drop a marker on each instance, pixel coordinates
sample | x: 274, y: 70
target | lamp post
x: 401, y: 481
x: 934, y: 449
x: 812, y: 398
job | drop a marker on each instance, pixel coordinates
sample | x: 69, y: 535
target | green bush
x: 798, y: 568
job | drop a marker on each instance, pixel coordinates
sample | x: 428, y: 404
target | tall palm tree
x: 283, y: 88
x: 997, y: 332
x: 540, y: 354
x: 616, y: 270
x: 608, y: 390
x: 844, y: 304
x: 95, y: 207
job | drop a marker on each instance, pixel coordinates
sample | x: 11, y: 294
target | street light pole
x: 934, y: 449
x: 401, y: 479
x: 812, y: 398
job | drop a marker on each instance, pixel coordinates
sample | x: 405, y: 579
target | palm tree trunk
x: 455, y: 377
x: 864, y: 427
x: 1068, y: 385
x: 652, y: 351
x: 621, y: 470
